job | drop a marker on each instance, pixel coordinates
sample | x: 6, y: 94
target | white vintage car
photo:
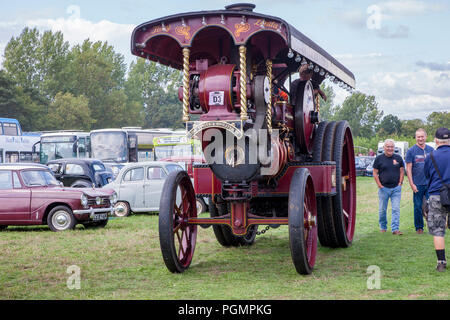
x: 139, y: 184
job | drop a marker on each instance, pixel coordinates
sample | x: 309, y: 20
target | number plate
x: 101, y: 216
x: 216, y: 98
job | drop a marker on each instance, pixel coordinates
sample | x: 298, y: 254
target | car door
x: 155, y: 178
x: 14, y: 198
x: 132, y: 188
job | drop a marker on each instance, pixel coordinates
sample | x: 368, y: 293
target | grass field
x: 123, y: 261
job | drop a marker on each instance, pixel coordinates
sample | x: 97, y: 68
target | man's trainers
x: 441, y: 265
x: 397, y: 232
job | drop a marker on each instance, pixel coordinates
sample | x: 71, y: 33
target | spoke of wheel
x: 345, y: 213
x: 180, y: 248
x: 344, y: 182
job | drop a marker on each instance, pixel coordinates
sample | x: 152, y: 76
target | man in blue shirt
x: 415, y: 160
x: 438, y: 215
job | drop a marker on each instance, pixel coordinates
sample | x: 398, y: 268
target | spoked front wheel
x: 302, y: 215
x: 177, y: 238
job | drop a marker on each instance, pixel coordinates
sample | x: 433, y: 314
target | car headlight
x: 113, y: 198
x: 84, y: 200
x: 98, y: 201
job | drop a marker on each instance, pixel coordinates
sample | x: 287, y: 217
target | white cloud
x: 408, y: 95
x: 409, y: 7
x: 76, y: 30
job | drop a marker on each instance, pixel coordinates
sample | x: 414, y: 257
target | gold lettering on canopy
x: 184, y: 31
x: 267, y: 24
x: 241, y: 27
x: 158, y: 29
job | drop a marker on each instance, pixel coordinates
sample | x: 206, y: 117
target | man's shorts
x: 437, y: 217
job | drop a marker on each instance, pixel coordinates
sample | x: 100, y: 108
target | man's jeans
x: 395, y: 195
x: 418, y: 201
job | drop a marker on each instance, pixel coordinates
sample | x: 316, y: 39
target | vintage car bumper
x: 92, y: 211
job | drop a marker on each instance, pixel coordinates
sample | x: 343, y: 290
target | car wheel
x: 121, y: 209
x: 60, y: 218
x: 3, y: 227
x: 81, y: 184
x: 201, y: 206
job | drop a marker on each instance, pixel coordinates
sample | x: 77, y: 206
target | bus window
x: 11, y: 156
x: 81, y: 148
x: 26, y: 157
x: 10, y: 129
x: 1, y: 155
x: 1, y: 127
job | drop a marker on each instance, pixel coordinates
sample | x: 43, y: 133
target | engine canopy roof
x: 213, y: 34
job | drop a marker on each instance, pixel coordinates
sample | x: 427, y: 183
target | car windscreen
x: 39, y: 178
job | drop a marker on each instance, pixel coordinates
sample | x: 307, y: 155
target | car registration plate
x: 101, y: 216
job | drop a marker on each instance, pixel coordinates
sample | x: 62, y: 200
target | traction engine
x: 269, y: 160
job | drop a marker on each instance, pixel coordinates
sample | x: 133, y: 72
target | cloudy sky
x: 399, y: 50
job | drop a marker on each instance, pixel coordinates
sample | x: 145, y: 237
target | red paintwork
x: 188, y: 161
x: 206, y: 183
x: 28, y: 205
x: 162, y: 41
x: 218, y: 78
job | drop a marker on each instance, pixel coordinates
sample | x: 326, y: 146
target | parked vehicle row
x: 68, y: 192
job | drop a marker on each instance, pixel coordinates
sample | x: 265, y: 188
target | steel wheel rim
x: 310, y: 224
x: 184, y: 234
x: 61, y: 220
x: 348, y: 193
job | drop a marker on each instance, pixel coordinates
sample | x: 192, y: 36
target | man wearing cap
x: 415, y: 160
x: 437, y: 214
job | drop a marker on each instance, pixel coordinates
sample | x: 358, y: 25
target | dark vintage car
x: 81, y: 173
x: 30, y: 195
x: 361, y: 164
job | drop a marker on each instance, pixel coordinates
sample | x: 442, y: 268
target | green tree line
x: 369, y: 125
x: 47, y: 85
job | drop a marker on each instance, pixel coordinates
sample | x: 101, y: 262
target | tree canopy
x: 47, y: 85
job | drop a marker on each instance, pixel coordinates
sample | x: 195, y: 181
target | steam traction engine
x: 269, y: 160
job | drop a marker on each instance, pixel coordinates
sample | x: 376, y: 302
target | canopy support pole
x: 186, y: 52
x: 243, y: 82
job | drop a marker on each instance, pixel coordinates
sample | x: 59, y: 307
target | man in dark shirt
x: 388, y: 172
x: 415, y: 160
x: 437, y: 214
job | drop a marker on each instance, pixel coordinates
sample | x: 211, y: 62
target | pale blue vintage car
x: 139, y: 184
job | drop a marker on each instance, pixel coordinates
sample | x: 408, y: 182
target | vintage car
x: 30, y: 195
x: 80, y: 173
x: 369, y: 169
x: 139, y: 185
x: 361, y: 164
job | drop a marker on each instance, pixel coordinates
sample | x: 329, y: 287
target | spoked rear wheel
x: 177, y: 238
x: 344, y: 203
x: 302, y: 221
